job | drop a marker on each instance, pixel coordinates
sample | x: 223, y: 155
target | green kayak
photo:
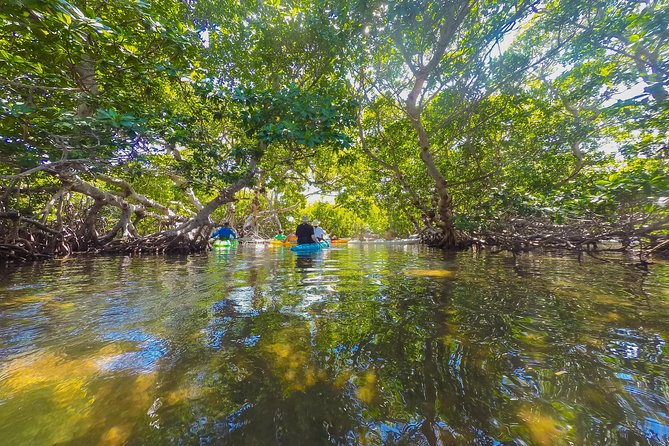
x: 224, y: 243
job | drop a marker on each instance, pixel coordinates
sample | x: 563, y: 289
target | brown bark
x: 73, y: 234
x: 648, y: 64
x: 579, y: 120
x: 226, y: 195
x: 413, y: 108
x: 444, y: 202
x: 252, y: 221
x: 129, y: 192
x: 181, y: 182
x: 16, y: 216
x: 85, y: 77
x: 399, y: 176
x: 90, y: 232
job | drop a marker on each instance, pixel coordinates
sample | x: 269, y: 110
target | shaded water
x: 359, y: 345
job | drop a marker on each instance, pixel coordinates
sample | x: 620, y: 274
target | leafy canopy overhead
x: 411, y: 112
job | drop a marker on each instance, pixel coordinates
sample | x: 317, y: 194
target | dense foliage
x: 129, y: 124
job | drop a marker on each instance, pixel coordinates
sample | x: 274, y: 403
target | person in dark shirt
x: 305, y: 233
x: 224, y: 233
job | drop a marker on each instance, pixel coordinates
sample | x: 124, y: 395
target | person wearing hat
x: 318, y: 231
x: 305, y: 232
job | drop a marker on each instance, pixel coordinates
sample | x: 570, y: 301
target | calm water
x: 360, y: 345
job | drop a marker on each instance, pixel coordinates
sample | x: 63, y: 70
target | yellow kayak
x: 339, y: 241
x: 276, y: 242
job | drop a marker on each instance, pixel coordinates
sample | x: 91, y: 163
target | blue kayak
x: 310, y: 247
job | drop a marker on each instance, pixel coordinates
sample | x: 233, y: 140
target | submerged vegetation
x: 347, y: 347
x: 137, y: 126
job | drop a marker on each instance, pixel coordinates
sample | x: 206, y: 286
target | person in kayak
x: 318, y: 231
x: 280, y: 236
x: 224, y: 233
x: 305, y: 233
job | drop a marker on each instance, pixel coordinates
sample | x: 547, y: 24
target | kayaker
x: 224, y: 232
x: 305, y: 232
x: 292, y: 238
x: 280, y: 237
x: 318, y: 231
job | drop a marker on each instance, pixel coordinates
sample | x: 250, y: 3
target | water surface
x: 363, y: 345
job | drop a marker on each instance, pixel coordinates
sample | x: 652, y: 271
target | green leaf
x: 65, y: 18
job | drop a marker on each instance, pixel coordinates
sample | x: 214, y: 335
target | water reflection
x: 359, y: 345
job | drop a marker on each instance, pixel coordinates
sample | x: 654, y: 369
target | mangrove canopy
x: 132, y: 126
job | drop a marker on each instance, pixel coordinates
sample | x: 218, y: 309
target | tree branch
x: 44, y: 167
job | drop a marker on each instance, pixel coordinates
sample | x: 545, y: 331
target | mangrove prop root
x: 630, y: 234
x: 25, y: 239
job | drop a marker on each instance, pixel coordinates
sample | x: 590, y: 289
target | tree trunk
x: 422, y: 72
x: 444, y: 217
x: 255, y: 212
x: 226, y: 195
x: 90, y: 235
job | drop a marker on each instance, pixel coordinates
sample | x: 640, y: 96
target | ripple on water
x: 367, y: 344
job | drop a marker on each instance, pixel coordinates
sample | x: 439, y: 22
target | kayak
x: 286, y: 242
x: 225, y: 243
x: 310, y: 247
x: 409, y: 241
x: 275, y: 242
x: 339, y: 241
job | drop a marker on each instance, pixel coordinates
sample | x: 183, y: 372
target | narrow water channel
x: 362, y: 345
